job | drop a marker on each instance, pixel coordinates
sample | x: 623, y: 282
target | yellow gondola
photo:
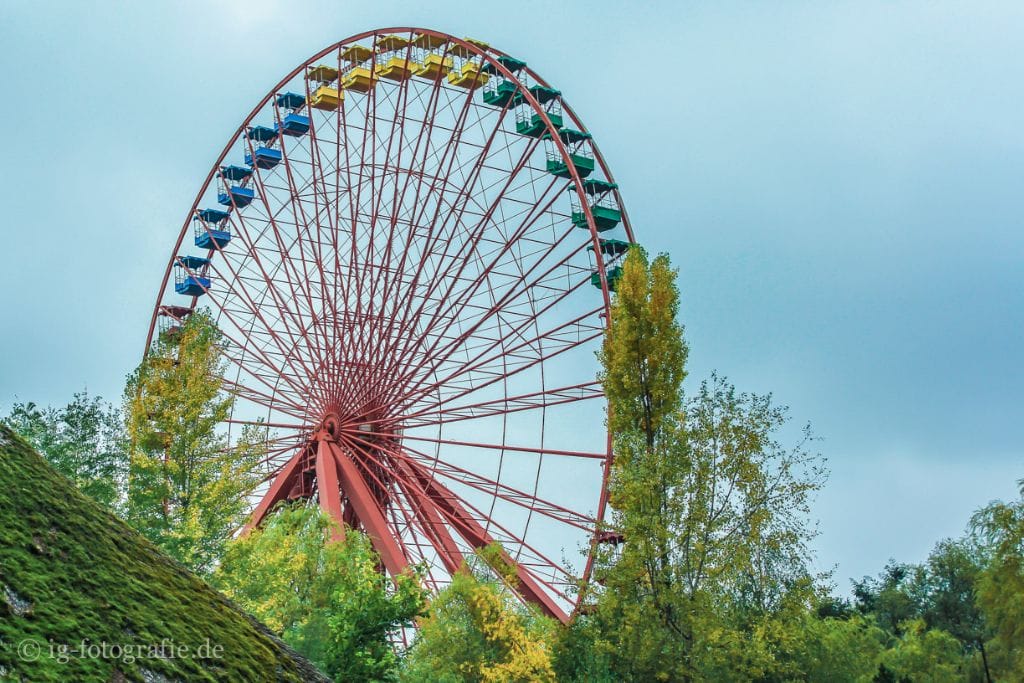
x: 390, y: 43
x: 359, y: 79
x: 322, y: 74
x: 433, y: 67
x: 327, y: 98
x: 396, y: 69
x: 469, y: 77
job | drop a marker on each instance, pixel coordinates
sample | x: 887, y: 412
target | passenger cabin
x: 236, y: 193
x: 612, y: 248
x: 601, y: 200
x: 261, y: 134
x: 294, y: 125
x: 326, y: 97
x: 530, y: 122
x: 430, y: 64
x: 187, y: 277
x: 580, y: 156
x: 612, y: 275
x: 356, y: 77
x: 263, y: 157
x: 393, y: 62
x: 290, y: 100
x: 499, y: 90
x: 470, y: 75
x: 211, y: 230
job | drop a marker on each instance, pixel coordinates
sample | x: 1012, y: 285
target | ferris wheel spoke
x: 301, y: 222
x: 275, y: 401
x: 319, y: 342
x: 505, y: 492
x: 563, y: 333
x: 256, y: 312
x: 432, y: 350
x: 262, y: 277
x: 449, y: 155
x: 507, y: 448
x: 437, y: 232
x: 436, y: 413
x: 460, y: 514
x: 431, y: 521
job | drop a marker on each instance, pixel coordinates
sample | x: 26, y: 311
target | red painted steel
x: 408, y: 276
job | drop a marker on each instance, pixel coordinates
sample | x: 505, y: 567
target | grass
x: 73, y: 574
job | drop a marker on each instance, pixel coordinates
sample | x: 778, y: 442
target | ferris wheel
x: 409, y: 246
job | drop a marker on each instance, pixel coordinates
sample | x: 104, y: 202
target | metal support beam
x: 328, y: 490
x: 358, y: 495
x: 477, y: 536
x: 278, y: 490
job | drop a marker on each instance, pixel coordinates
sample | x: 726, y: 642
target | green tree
x: 999, y: 529
x: 326, y: 598
x: 924, y: 655
x: 712, y: 507
x: 83, y: 441
x: 951, y: 578
x: 474, y: 631
x: 187, y: 487
x: 896, y: 597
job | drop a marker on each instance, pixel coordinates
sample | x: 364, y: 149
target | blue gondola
x: 290, y: 100
x: 236, y: 195
x: 213, y: 216
x: 209, y: 237
x: 264, y: 157
x: 235, y: 173
x: 262, y: 133
x: 294, y: 125
x: 186, y: 281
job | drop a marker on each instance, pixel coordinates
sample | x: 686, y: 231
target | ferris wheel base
x: 346, y: 497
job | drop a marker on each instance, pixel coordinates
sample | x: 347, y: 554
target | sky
x: 840, y: 184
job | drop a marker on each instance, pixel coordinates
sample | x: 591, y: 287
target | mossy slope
x: 69, y: 572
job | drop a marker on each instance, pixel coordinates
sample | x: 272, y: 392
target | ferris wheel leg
x: 474, y: 534
x: 283, y: 484
x: 329, y: 491
x: 362, y: 501
x: 431, y: 520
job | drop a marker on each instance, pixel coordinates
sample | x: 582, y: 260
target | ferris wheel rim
x: 490, y: 55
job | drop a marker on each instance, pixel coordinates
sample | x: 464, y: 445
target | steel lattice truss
x: 407, y: 307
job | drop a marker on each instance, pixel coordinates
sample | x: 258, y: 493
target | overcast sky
x: 841, y: 186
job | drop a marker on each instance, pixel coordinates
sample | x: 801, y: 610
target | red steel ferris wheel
x: 409, y: 246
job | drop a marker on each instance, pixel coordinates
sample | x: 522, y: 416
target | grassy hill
x: 83, y: 597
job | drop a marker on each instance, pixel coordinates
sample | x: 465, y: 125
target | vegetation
x: 710, y: 583
x: 83, y: 441
x: 186, y: 487
x: 326, y: 598
x: 71, y: 573
x: 476, y: 632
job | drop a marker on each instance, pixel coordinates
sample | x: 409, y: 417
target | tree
x: 474, y: 631
x: 896, y: 597
x: 999, y: 530
x: 83, y: 441
x: 187, y: 487
x: 951, y: 576
x: 711, y: 506
x: 327, y: 599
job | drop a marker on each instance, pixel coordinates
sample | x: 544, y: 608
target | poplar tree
x: 187, y: 487
x: 712, y: 510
